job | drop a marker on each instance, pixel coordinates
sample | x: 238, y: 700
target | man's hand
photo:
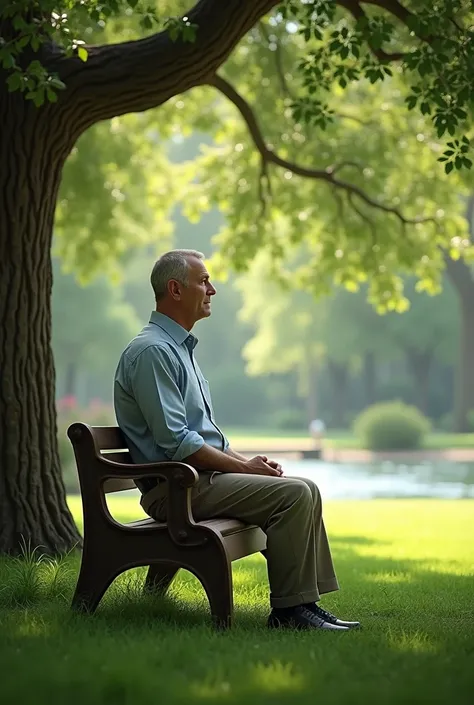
x: 260, y: 465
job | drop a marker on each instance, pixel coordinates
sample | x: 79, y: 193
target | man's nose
x: 211, y: 290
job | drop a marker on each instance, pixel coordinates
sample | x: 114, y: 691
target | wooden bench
x: 205, y: 548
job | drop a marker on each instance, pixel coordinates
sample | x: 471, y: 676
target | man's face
x: 196, y: 297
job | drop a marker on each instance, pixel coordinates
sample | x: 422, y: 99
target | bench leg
x: 217, y: 582
x: 91, y: 586
x: 160, y: 577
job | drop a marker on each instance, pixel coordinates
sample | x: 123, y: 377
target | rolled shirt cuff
x: 191, y: 443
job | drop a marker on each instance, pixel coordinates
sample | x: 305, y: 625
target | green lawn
x: 406, y: 569
x: 340, y: 439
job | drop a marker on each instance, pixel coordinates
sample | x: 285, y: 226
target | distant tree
x: 91, y: 326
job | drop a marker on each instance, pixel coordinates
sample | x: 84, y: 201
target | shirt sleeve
x: 154, y: 383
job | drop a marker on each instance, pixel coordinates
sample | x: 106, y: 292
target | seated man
x: 163, y: 406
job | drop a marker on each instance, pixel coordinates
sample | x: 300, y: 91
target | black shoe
x: 330, y: 618
x: 300, y: 617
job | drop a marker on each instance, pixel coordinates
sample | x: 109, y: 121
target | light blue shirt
x: 162, y: 401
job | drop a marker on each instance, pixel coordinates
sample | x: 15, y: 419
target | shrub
x: 391, y: 426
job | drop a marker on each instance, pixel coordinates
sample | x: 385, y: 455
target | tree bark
x: 33, y: 508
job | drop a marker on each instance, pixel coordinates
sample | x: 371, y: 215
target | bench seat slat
x: 224, y: 526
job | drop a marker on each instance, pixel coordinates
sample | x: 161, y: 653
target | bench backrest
x: 110, y: 442
x: 112, y: 445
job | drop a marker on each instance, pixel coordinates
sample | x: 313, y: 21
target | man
x: 163, y: 406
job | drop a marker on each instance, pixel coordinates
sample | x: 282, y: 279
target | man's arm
x: 234, y: 454
x: 208, y: 458
x: 156, y: 390
x: 272, y: 463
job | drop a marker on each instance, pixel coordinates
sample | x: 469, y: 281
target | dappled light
x: 417, y: 642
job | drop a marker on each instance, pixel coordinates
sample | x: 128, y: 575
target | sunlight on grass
x: 32, y: 625
x: 389, y: 578
x: 406, y: 571
x: 277, y: 676
x: 211, y: 690
x: 416, y: 642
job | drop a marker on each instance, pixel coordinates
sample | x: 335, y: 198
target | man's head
x: 182, y: 286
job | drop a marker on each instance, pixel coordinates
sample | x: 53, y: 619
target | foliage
x: 90, y: 324
x: 306, y: 68
x: 293, y: 331
x: 116, y: 195
x: 391, y: 426
x: 432, y: 45
x: 32, y: 25
x: 345, y: 239
x: 435, y: 49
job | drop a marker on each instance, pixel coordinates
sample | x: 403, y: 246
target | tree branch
x: 143, y: 74
x: 354, y: 7
x: 393, y: 6
x: 269, y: 156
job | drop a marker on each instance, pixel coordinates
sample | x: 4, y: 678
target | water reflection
x: 386, y: 479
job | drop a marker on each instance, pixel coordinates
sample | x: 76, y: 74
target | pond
x: 387, y: 479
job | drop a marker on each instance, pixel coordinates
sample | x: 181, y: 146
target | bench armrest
x: 180, y: 477
x: 183, y: 473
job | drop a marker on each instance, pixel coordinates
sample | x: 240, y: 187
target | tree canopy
x: 334, y: 118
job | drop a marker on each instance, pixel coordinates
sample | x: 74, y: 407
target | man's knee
x: 311, y: 485
x: 314, y: 489
x: 297, y: 490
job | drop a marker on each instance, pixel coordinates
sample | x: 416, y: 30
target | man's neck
x: 175, y: 316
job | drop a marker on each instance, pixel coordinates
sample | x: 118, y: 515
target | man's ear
x: 174, y: 288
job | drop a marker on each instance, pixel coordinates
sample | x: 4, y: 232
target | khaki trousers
x: 288, y: 509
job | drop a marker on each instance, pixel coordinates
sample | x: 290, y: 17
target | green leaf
x: 14, y: 82
x: 38, y: 98
x: 8, y: 61
x: 449, y: 167
x: 82, y: 53
x: 51, y: 95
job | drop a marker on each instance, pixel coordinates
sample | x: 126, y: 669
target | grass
x: 406, y: 569
x: 338, y: 439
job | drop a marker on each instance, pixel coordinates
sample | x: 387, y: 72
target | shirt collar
x: 179, y: 334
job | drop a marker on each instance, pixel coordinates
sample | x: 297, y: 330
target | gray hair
x: 171, y: 265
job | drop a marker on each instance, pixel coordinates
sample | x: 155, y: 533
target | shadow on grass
x: 372, y: 587
x: 417, y: 643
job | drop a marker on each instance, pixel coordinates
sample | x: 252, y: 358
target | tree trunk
x: 70, y: 380
x: 419, y: 364
x: 464, y: 397
x: 461, y: 276
x: 312, y: 395
x: 339, y: 373
x: 33, y: 508
x: 370, y: 380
